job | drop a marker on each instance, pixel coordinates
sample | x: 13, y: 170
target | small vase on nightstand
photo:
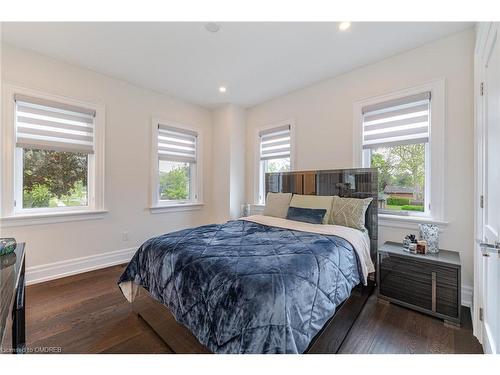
x: 430, y: 233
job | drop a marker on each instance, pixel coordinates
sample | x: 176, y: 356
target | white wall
x: 237, y: 167
x: 323, y: 132
x: 129, y: 111
x: 229, y: 168
x: 324, y: 127
x: 222, y: 167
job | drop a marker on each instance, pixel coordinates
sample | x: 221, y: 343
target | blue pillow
x: 306, y: 215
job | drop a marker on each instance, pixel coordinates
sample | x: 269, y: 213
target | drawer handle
x: 433, y: 274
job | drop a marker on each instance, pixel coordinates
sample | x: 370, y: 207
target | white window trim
x: 51, y: 218
x: 437, y: 145
x: 158, y: 206
x: 256, y: 182
x: 10, y: 216
x: 408, y: 222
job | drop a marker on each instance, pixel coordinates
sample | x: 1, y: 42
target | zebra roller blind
x: 275, y: 143
x: 395, y: 122
x: 176, y: 144
x: 48, y: 125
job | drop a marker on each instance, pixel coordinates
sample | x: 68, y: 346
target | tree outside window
x: 54, y: 179
x: 401, y: 176
x: 174, y: 180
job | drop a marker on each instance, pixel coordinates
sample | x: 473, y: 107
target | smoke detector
x: 212, y: 27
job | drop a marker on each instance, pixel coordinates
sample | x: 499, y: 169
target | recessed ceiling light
x: 222, y: 89
x: 343, y: 26
x: 212, y: 27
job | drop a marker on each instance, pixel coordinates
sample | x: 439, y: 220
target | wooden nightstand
x: 426, y: 283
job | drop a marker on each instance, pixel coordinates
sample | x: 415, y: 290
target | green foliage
x: 410, y: 164
x: 402, y: 165
x: 76, y: 196
x: 175, y: 183
x: 384, y: 171
x: 58, y: 171
x: 53, y: 178
x: 403, y: 179
x: 408, y: 207
x: 393, y: 208
x: 278, y: 165
x: 393, y: 201
x: 38, y: 196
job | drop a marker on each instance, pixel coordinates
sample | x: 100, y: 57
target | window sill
x: 408, y: 222
x: 176, y: 208
x: 51, y: 217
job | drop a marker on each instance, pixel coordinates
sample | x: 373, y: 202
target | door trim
x: 485, y: 37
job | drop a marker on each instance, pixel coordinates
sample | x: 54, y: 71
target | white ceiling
x: 255, y: 61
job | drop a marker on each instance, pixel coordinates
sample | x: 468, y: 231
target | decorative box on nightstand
x: 426, y: 283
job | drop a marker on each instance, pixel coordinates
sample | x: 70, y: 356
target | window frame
x: 11, y: 208
x: 435, y: 148
x: 195, y: 191
x: 258, y: 172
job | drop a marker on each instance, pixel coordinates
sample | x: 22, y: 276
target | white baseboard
x: 56, y: 270
x: 467, y: 292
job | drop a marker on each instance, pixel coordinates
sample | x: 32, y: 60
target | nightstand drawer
x: 420, y: 282
x: 405, y: 280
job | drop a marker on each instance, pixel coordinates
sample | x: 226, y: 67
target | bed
x: 259, y: 284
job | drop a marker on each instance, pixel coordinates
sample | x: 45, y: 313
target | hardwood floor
x: 384, y: 328
x: 87, y: 313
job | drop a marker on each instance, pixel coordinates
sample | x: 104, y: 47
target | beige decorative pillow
x: 350, y: 212
x: 314, y: 201
x: 277, y: 204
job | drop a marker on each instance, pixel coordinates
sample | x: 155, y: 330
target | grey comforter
x: 243, y: 287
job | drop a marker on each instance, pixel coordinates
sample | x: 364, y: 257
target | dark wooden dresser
x: 12, y: 301
x: 426, y: 283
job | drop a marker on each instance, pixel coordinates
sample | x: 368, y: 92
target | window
x: 175, y: 165
x: 396, y: 141
x: 274, y: 146
x: 54, y: 155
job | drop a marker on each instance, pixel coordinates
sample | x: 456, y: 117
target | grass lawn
x: 404, y: 208
x: 391, y: 207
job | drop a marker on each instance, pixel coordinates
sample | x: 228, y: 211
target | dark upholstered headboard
x: 352, y: 183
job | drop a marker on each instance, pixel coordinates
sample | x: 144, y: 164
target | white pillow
x: 277, y: 204
x: 314, y: 201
